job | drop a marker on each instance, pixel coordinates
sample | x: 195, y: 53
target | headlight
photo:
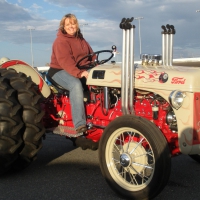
x: 171, y: 118
x: 176, y: 99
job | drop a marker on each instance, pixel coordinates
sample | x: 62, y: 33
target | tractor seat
x: 58, y: 87
x: 64, y: 91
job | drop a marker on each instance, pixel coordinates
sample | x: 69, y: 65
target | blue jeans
x: 75, y: 88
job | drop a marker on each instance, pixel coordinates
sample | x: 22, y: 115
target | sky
x: 24, y: 20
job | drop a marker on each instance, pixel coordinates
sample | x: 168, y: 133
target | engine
x: 103, y: 104
x: 156, y: 109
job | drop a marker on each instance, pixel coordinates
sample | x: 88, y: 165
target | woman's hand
x: 84, y: 74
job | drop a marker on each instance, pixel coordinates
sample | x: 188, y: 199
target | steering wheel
x: 97, y: 61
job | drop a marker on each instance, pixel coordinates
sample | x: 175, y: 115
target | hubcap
x: 125, y: 160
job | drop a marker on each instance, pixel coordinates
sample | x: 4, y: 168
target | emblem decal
x: 178, y: 80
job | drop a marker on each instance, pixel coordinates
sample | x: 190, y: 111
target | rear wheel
x: 134, y: 157
x: 28, y: 136
x: 11, y: 126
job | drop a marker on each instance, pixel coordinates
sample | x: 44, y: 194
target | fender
x: 23, y: 67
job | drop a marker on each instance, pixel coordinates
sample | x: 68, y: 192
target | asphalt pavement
x: 63, y: 172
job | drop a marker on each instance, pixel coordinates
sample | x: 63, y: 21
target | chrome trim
x: 167, y: 49
x: 127, y: 74
x: 163, y: 49
x: 123, y: 72
x: 171, y: 49
x: 132, y: 72
x: 106, y: 98
x: 125, y: 160
x: 127, y: 71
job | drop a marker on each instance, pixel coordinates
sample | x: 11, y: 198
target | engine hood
x: 159, y: 77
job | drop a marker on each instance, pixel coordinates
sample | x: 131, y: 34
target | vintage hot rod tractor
x: 138, y: 115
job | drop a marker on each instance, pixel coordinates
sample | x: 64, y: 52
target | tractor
x: 139, y: 116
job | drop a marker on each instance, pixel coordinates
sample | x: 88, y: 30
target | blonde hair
x: 74, y: 20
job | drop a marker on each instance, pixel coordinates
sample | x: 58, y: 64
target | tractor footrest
x: 66, y: 131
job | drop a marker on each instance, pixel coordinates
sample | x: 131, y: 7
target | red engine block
x: 58, y: 112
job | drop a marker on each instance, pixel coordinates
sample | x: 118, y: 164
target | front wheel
x: 134, y: 157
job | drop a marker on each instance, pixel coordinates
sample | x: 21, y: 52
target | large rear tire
x: 10, y: 126
x: 28, y: 136
x: 134, y: 158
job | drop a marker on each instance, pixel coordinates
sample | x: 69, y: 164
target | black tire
x: 195, y: 157
x: 11, y: 126
x: 142, y: 173
x: 31, y: 115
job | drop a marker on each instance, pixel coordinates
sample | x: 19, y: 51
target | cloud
x: 103, y: 18
x: 15, y: 24
x: 11, y: 12
x: 36, y: 7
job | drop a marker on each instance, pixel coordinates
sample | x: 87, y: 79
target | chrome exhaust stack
x: 164, y: 32
x: 127, y: 78
x: 167, y: 44
x: 171, y: 44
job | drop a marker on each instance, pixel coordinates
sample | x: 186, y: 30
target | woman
x: 68, y: 48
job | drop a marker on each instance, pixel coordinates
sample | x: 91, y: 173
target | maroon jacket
x: 67, y: 50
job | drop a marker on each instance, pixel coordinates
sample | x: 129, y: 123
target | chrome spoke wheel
x: 130, y: 159
x: 134, y: 157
